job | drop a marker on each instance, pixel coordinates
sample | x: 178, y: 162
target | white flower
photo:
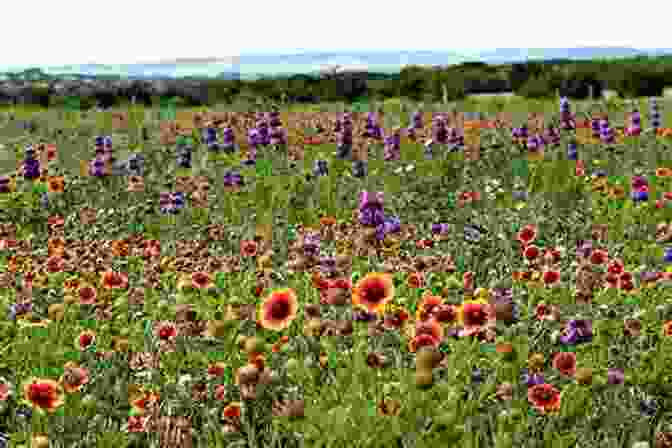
x: 184, y: 379
x: 640, y: 445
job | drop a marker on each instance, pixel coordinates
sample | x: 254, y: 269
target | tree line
x: 634, y: 77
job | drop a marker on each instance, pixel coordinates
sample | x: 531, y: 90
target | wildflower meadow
x: 377, y: 275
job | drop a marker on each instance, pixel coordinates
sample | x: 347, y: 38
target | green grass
x: 339, y: 397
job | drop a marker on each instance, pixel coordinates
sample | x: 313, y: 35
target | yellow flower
x: 482, y: 293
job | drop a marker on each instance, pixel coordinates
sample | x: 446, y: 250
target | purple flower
x: 311, y: 244
x: 31, y: 168
x: 278, y: 137
x: 232, y: 178
x: 531, y: 380
x: 439, y: 228
x: 615, y: 376
x: 577, y: 331
x: 638, y: 182
x: 328, y: 265
x: 363, y: 316
x: 648, y: 407
x: 96, y: 167
x: 584, y: 248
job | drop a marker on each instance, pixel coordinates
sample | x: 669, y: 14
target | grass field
x: 510, y: 297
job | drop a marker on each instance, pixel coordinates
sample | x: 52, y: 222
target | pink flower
x: 5, y: 391
x: 220, y: 392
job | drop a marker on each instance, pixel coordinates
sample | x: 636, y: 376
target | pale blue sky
x: 125, y: 31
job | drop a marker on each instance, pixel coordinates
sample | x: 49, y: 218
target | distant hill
x: 252, y: 66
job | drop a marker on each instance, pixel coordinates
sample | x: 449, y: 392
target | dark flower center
x: 279, y: 309
x: 374, y: 292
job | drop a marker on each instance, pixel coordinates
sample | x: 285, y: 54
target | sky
x: 124, y: 31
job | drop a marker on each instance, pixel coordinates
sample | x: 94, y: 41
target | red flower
x: 422, y: 340
x: 114, y: 280
x: 565, y: 362
x: 547, y: 312
x: 216, y: 369
x: 468, y: 280
x: 166, y: 331
x: 55, y: 220
x: 137, y: 423
x: 55, y: 264
x: 474, y: 315
x: 527, y: 234
x: 373, y: 291
x: 544, y: 397
x: 599, y: 256
x: 424, y: 243
x: 44, y: 394
x: 200, y: 280
x: 151, y: 248
x: 531, y: 252
x: 86, y: 339
x: 615, y: 267
x: 278, y: 310
x: 445, y: 313
x: 248, y: 248
x: 87, y: 295
x: 552, y: 255
x: 627, y: 285
x: 551, y: 277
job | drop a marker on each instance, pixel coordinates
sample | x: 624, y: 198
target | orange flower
x: 327, y: 221
x: 216, y: 369
x: 318, y: 281
x: 667, y: 328
x: 544, y: 397
x: 200, y: 280
x: 430, y: 327
x: 136, y: 184
x: 395, y: 319
x: 85, y: 339
x: 278, y: 345
x: 145, y: 402
x: 429, y: 304
x: 56, y: 246
x: 415, y: 280
x: 56, y: 184
x: 373, y: 291
x: 43, y: 394
x: 248, y: 248
x: 422, y: 340
x: 120, y: 248
x: 71, y: 284
x: 279, y: 310
x: 114, y: 280
x: 74, y: 377
x: 232, y: 410
x: 663, y: 172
